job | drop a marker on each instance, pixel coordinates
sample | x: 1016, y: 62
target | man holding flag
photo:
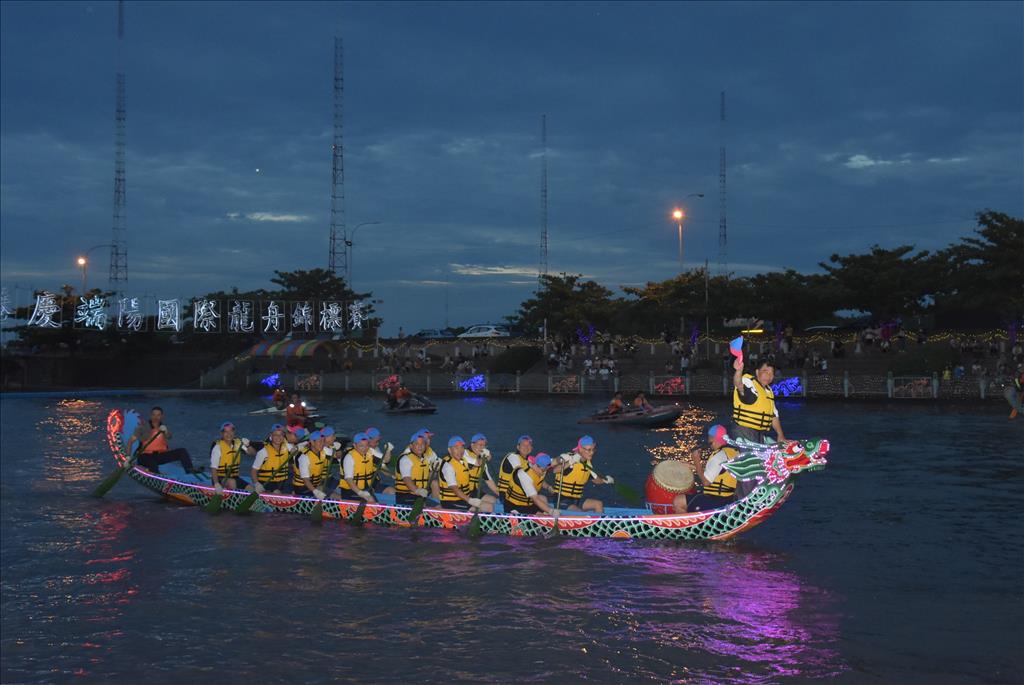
x: 753, y: 402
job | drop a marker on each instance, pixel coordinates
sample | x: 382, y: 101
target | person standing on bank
x: 753, y: 403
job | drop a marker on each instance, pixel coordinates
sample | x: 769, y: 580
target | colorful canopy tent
x: 290, y: 348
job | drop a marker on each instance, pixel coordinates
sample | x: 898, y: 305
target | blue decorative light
x: 473, y: 383
x: 271, y: 381
x: 787, y: 387
x: 588, y: 337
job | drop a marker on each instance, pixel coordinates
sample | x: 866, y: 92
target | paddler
x: 273, y: 462
x: 310, y: 473
x: 413, y: 473
x: 433, y: 460
x: 358, y: 471
x: 477, y: 457
x: 573, y: 471
x: 226, y: 459
x: 718, y: 485
x: 616, y: 406
x: 153, y: 437
x: 523, y: 494
x: 514, y: 460
x: 456, y: 492
x: 753, y: 403
x: 381, y: 455
x: 296, y: 414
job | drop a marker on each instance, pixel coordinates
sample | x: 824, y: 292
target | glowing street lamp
x: 678, y: 215
x: 84, y: 264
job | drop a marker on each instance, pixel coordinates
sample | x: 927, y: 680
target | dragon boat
x: 659, y: 416
x: 771, y: 467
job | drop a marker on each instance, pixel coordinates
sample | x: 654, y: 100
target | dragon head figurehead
x: 776, y: 462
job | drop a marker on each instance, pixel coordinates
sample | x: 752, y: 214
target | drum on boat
x: 668, y: 479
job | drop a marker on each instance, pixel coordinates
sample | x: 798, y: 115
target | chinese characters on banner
x: 272, y: 316
x: 206, y: 315
x: 240, y: 317
x: 168, y: 315
x: 302, y: 317
x: 45, y: 310
x: 129, y: 315
x: 91, y: 312
x: 331, y: 317
x: 5, y: 305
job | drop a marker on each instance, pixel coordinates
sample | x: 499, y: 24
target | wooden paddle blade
x: 317, y: 515
x: 628, y: 494
x: 247, y: 503
x: 417, y: 509
x: 357, y: 517
x: 213, y: 506
x: 108, y: 482
x: 475, y: 529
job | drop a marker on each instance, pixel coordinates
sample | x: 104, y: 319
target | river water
x: 901, y: 562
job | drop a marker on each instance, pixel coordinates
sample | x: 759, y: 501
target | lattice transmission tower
x: 543, y: 270
x: 723, y: 242
x: 339, y: 238
x: 118, y: 244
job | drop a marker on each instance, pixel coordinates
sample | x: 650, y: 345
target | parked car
x: 434, y: 334
x: 486, y: 331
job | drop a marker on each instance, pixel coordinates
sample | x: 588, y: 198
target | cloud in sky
x: 825, y: 132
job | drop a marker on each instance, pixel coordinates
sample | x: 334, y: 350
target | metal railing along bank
x: 696, y: 384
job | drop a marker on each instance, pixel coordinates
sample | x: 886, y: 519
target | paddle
x: 475, y: 527
x: 316, y: 516
x: 111, y: 480
x: 246, y: 504
x: 624, y: 491
x: 357, y: 517
x: 213, y: 506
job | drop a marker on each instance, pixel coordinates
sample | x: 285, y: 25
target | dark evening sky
x: 849, y: 124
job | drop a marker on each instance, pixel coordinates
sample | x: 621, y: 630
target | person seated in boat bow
x: 296, y: 414
x: 514, y: 460
x: 573, y: 470
x: 309, y: 476
x: 272, y: 465
x: 477, y: 457
x: 616, y: 406
x: 226, y: 459
x: 640, y: 402
x: 523, y: 494
x: 152, y: 438
x: 413, y: 474
x: 456, y: 492
x: 718, y: 486
x: 358, y: 471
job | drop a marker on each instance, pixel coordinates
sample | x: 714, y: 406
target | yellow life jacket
x: 363, y: 471
x: 475, y: 472
x: 515, y: 496
x: 724, y: 484
x: 461, y: 479
x: 506, y: 470
x: 317, y: 470
x: 274, y: 468
x: 420, y: 475
x: 758, y: 415
x: 230, y: 458
x: 571, y: 481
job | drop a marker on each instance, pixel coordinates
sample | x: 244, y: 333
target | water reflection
x: 684, y: 435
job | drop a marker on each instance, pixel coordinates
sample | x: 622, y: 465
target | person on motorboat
x: 226, y: 459
x: 381, y: 453
x: 456, y: 482
x: 153, y: 437
x: 477, y: 457
x: 310, y: 473
x: 413, y: 473
x: 272, y: 465
x: 296, y: 414
x: 616, y: 406
x: 640, y: 402
x: 523, y: 493
x: 402, y: 396
x: 753, y: 403
x: 717, y: 486
x: 514, y: 460
x: 358, y: 471
x: 280, y: 398
x: 572, y: 471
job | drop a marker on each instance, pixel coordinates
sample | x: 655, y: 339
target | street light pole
x: 351, y: 245
x: 84, y: 263
x: 678, y: 214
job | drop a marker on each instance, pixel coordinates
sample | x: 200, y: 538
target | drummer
x: 226, y: 459
x: 718, y: 485
x: 455, y: 480
x: 413, y: 473
x: 310, y: 472
x: 573, y: 470
x: 523, y: 493
x: 358, y: 470
x: 272, y: 463
x: 153, y: 437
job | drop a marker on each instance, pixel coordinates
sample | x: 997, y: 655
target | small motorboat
x: 659, y: 416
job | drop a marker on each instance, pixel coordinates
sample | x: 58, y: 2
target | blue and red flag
x: 736, y: 347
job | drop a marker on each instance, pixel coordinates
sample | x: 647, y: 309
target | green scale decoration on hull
x: 771, y: 467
